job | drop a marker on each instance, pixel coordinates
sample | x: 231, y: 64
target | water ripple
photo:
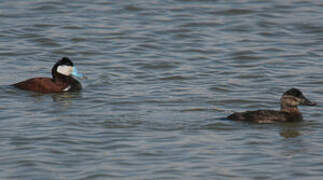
x: 163, y: 77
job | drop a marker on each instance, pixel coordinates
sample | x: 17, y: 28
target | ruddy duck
x: 62, y: 80
x: 288, y: 110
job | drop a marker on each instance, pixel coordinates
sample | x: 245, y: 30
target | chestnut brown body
x: 58, y: 83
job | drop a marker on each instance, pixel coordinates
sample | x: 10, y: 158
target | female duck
x: 288, y: 110
x: 62, y: 80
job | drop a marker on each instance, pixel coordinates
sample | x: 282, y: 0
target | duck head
x: 65, y: 67
x: 292, y: 98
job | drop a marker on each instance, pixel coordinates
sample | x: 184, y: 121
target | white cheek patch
x: 65, y: 70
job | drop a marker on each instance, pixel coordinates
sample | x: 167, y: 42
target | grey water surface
x: 162, y: 77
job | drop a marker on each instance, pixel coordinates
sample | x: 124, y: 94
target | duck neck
x: 67, y: 81
x: 289, y: 108
x: 61, y: 78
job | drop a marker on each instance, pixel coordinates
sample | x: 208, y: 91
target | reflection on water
x: 290, y: 133
x: 66, y: 97
x: 293, y: 147
x: 162, y: 76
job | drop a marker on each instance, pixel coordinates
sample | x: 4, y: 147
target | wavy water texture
x: 162, y: 77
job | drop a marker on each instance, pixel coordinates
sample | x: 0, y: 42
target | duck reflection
x: 290, y: 133
x: 66, y: 97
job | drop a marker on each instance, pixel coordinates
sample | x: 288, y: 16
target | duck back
x: 265, y: 116
x: 42, y: 85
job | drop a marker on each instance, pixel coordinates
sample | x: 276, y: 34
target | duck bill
x: 77, y: 74
x: 308, y: 102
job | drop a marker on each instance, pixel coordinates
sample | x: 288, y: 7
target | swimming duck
x: 61, y: 81
x: 288, y: 110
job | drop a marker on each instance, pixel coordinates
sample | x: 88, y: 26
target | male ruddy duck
x: 62, y: 80
x: 288, y: 110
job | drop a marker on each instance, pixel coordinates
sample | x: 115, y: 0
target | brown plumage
x: 288, y: 112
x: 59, y: 82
